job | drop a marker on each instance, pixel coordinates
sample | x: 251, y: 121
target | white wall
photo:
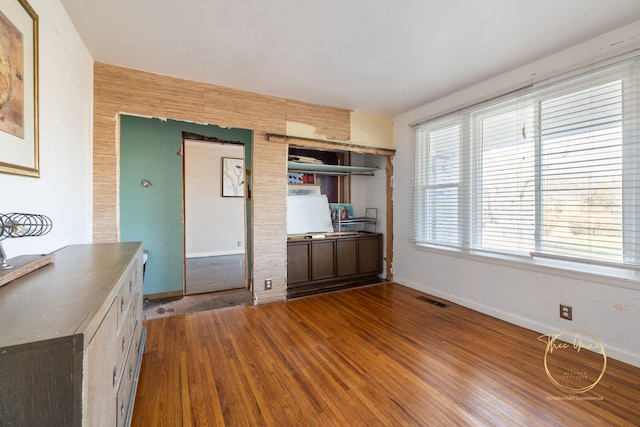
x: 369, y: 192
x: 527, y: 297
x: 214, y: 224
x: 64, y: 190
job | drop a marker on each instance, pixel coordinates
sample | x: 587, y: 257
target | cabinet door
x: 370, y: 254
x: 323, y: 259
x: 346, y: 257
x: 298, y: 256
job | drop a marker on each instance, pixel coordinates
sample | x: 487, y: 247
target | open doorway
x: 214, y: 216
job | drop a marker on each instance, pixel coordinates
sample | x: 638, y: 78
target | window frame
x: 470, y: 173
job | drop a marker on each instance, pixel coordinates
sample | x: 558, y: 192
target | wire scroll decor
x: 13, y: 225
x: 24, y: 225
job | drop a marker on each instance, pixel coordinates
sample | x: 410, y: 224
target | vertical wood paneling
x: 120, y: 90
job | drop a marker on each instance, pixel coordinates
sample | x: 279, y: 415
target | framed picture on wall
x: 232, y: 177
x: 19, y: 89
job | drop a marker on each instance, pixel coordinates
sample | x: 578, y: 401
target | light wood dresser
x: 72, y: 339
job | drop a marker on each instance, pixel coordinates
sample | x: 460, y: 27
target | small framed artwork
x: 303, y: 190
x: 232, y: 177
x: 19, y: 89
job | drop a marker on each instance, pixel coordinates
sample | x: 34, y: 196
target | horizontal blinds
x: 581, y: 169
x: 505, y: 178
x: 553, y: 171
x: 437, y: 181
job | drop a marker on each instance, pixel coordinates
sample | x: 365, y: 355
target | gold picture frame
x: 19, y: 146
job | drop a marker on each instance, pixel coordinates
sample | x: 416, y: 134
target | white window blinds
x: 551, y: 171
x: 439, y: 194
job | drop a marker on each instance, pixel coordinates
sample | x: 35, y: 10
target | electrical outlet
x: 267, y: 284
x: 566, y: 312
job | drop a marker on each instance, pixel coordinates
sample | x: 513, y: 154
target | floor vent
x: 432, y: 301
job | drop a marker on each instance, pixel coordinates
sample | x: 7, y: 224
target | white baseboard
x: 612, y: 352
x: 218, y: 253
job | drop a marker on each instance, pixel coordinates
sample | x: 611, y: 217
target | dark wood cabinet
x: 346, y: 257
x: 369, y: 255
x: 323, y: 262
x: 318, y: 265
x: 298, y: 258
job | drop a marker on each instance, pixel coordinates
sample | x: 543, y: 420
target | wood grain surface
x: 24, y: 264
x: 371, y: 356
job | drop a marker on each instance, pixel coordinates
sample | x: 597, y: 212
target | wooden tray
x: 24, y: 264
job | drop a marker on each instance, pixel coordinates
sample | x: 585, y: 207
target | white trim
x: 620, y: 277
x: 612, y: 352
x: 470, y: 145
x: 218, y: 253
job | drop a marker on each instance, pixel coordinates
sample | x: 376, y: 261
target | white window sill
x: 610, y: 275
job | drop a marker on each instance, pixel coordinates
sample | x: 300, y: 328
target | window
x: 552, y: 172
x: 439, y: 214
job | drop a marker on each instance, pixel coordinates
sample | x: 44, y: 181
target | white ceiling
x: 378, y: 56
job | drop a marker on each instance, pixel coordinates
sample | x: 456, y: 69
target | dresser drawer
x: 100, y: 379
x: 124, y: 344
x: 123, y: 401
x: 126, y: 389
x: 127, y: 288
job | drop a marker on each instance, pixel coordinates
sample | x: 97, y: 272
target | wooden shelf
x: 326, y: 144
x: 330, y: 169
x: 358, y: 220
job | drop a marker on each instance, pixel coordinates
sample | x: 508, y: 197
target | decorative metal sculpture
x: 13, y: 225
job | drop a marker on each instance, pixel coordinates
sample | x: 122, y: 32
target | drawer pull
x: 121, y: 409
x: 130, y: 372
x: 123, y: 343
x: 115, y: 375
x: 130, y: 285
x: 121, y: 304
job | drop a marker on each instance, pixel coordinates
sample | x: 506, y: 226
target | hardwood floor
x: 370, y: 356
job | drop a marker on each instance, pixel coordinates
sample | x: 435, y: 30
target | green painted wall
x: 149, y: 149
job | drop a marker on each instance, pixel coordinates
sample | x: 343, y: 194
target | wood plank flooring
x: 370, y: 356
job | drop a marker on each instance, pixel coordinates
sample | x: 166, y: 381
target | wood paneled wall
x: 120, y: 90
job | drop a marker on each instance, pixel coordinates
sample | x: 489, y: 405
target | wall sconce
x: 146, y: 183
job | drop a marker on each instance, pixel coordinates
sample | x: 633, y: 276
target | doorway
x: 214, y: 215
